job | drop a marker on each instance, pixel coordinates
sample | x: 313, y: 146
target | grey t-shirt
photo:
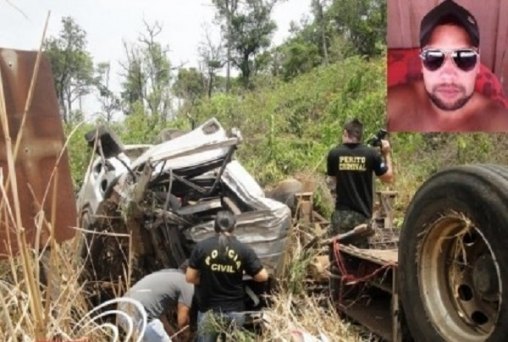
x: 157, y: 291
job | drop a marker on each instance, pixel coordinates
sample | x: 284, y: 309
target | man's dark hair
x: 354, y: 129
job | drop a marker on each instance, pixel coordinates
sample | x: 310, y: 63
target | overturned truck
x: 147, y: 205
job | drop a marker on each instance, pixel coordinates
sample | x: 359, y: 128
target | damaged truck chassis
x: 448, y: 278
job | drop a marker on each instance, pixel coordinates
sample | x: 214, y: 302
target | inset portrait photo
x: 447, y: 66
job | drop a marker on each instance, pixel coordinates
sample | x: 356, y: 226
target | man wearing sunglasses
x: 445, y: 99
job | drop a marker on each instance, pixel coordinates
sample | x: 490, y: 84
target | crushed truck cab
x: 157, y: 201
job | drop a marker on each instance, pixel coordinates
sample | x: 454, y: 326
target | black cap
x: 449, y: 11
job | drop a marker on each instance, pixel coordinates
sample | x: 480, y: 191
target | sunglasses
x: 464, y: 59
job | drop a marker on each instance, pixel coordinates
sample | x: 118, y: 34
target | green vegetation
x: 72, y: 66
x: 290, y: 126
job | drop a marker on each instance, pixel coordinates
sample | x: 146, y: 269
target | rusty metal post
x: 395, y: 310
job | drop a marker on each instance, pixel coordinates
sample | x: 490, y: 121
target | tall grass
x: 301, y: 307
x: 29, y: 309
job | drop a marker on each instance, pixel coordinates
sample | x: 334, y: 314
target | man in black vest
x: 350, y: 168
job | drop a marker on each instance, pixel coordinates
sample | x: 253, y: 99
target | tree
x: 72, y: 65
x: 247, y: 30
x: 298, y: 56
x: 226, y: 10
x: 189, y: 85
x: 134, y: 84
x: 362, y: 23
x: 212, y: 59
x: 321, y: 23
x: 252, y: 31
x: 147, y: 77
x: 110, y: 103
x: 339, y: 29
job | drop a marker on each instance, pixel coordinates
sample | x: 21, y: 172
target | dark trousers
x: 342, y: 222
x: 345, y: 220
x: 211, y: 324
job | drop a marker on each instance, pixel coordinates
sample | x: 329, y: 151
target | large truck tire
x: 453, y: 256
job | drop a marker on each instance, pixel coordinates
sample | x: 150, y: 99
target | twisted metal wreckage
x: 166, y: 195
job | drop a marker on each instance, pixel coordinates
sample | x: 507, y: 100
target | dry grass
x: 29, y: 309
x: 302, y: 307
x: 62, y: 302
x: 294, y: 311
x: 293, y: 316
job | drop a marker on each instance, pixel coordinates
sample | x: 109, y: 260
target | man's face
x: 449, y: 87
x: 345, y: 137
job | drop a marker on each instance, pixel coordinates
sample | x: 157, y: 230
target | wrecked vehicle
x: 149, y: 204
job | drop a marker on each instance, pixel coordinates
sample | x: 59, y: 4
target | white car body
x: 199, y: 157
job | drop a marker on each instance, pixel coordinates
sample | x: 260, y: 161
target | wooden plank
x: 379, y: 256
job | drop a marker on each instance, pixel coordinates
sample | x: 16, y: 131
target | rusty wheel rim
x: 459, y: 279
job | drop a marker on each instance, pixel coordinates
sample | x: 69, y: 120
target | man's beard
x: 459, y: 103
